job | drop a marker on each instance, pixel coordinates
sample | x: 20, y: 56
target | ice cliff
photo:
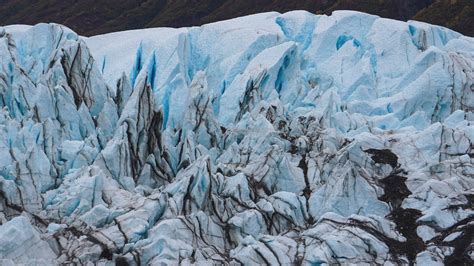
x: 268, y: 139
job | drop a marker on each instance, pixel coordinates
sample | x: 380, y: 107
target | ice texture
x: 268, y: 139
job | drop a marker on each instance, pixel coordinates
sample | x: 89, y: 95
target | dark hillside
x: 91, y: 17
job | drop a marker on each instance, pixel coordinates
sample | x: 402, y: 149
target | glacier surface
x: 268, y: 139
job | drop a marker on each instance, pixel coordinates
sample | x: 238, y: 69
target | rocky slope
x: 89, y: 17
x: 269, y: 139
x: 455, y: 14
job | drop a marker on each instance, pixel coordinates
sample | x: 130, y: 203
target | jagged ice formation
x: 268, y: 139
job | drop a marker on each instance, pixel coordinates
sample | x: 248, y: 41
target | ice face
x: 267, y: 139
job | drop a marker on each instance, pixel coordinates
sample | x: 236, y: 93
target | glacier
x: 268, y: 139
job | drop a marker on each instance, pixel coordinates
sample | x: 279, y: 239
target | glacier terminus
x: 270, y: 139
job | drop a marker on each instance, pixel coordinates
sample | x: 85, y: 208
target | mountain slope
x: 94, y: 17
x: 455, y: 14
x: 267, y: 139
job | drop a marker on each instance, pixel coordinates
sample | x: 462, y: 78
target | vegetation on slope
x: 91, y: 17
